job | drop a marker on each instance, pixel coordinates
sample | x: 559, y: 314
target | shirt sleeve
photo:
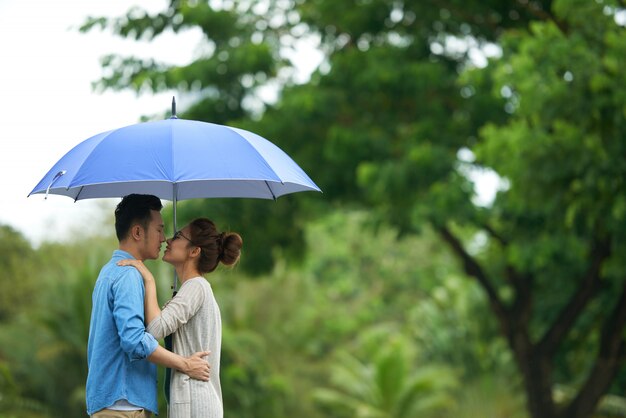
x: 128, y: 314
x: 178, y: 310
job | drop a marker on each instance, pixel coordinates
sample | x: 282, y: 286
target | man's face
x: 153, y: 237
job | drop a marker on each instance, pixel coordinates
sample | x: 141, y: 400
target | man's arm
x: 194, y: 366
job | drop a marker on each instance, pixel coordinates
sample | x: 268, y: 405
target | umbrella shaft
x: 174, y: 199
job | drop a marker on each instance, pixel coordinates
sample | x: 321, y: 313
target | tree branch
x: 492, y: 232
x: 519, y: 282
x: 461, y: 13
x: 523, y: 295
x: 587, y: 289
x: 472, y: 268
x: 538, y: 12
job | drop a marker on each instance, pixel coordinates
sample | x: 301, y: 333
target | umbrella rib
x: 78, y: 194
x: 270, y: 189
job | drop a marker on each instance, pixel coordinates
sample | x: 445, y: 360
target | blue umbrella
x: 175, y: 159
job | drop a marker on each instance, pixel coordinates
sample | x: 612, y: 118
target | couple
x: 126, y: 320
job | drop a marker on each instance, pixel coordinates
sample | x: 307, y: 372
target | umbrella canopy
x: 175, y: 159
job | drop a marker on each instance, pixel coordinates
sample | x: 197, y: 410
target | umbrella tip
x: 173, y: 108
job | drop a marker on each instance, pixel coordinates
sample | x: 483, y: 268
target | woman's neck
x: 186, y: 272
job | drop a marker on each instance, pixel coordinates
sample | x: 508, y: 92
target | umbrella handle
x: 54, y: 180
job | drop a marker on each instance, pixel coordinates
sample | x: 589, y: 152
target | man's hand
x: 197, y: 367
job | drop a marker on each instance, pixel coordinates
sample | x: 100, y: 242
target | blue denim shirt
x: 118, y: 341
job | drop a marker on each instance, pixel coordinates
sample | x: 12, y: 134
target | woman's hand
x: 140, y: 266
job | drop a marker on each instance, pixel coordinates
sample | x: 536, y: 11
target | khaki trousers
x: 111, y: 413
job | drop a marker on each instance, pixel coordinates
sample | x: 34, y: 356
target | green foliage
x: 566, y: 127
x: 43, y: 347
x: 490, y: 396
x: 387, y: 382
x: 453, y: 314
x: 17, y: 278
x: 236, y: 58
x: 361, y: 122
x: 13, y: 405
x: 63, y: 333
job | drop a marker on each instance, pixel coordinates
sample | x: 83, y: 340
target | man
x: 120, y: 382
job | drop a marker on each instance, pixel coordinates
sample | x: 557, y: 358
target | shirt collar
x: 122, y: 254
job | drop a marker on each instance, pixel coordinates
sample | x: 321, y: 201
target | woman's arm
x: 179, y: 310
x: 151, y: 304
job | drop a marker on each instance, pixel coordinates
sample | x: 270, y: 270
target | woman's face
x: 178, y: 247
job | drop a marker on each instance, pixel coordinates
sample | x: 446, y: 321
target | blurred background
x: 465, y: 258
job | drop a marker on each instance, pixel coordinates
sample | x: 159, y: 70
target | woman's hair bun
x: 231, y: 248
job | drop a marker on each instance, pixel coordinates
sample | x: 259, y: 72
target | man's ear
x: 136, y: 232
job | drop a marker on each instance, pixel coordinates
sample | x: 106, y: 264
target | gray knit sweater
x: 193, y: 317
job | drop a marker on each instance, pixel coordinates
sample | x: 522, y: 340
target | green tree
x: 556, y: 230
x: 543, y: 252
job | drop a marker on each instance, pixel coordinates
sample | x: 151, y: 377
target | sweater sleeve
x: 178, y: 310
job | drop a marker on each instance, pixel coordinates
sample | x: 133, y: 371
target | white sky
x: 47, y: 105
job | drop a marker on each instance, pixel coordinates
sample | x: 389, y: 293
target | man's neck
x: 131, y: 249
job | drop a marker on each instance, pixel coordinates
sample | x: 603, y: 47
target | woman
x: 192, y: 316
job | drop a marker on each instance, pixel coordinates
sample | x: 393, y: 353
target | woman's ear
x: 195, y: 252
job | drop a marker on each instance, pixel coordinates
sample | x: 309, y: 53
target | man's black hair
x: 134, y: 208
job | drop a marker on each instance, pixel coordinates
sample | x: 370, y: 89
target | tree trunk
x: 536, y: 371
x: 608, y: 361
x: 534, y: 365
